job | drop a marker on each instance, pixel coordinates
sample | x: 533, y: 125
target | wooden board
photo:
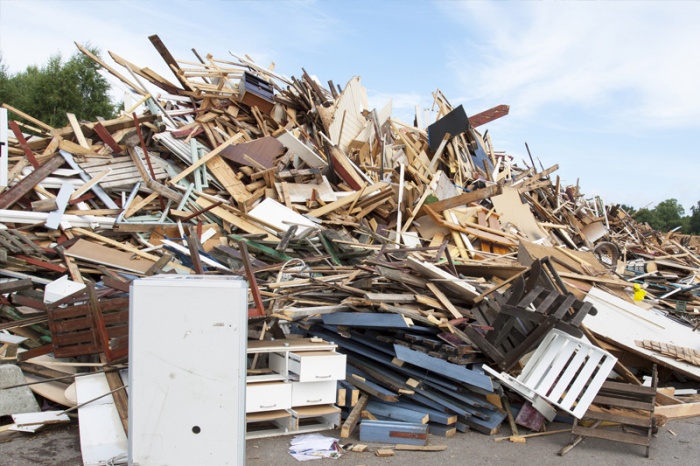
x: 301, y: 150
x: 258, y: 153
x: 98, y: 254
x: 623, y: 323
x: 513, y: 211
x: 446, y: 369
x: 348, y: 120
x: 302, y: 192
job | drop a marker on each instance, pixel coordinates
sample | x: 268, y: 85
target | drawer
x: 268, y: 396
x: 311, y: 366
x: 314, y: 393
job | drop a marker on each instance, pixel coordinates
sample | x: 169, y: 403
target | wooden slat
x: 618, y: 418
x: 610, y: 435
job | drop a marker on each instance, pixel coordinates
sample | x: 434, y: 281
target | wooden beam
x: 354, y: 417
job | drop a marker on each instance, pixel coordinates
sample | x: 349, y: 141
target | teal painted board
x: 393, y: 432
x: 444, y: 368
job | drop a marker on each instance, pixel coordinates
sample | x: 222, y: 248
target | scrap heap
x: 420, y: 250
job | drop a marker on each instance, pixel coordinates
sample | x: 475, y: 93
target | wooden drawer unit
x: 268, y: 396
x: 314, y: 393
x: 311, y: 366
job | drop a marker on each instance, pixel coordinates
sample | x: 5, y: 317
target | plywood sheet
x: 302, y: 192
x: 513, y: 211
x: 623, y: 323
x: 260, y: 152
x: 98, y: 254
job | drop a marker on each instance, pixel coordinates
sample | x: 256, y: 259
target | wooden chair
x: 535, y: 304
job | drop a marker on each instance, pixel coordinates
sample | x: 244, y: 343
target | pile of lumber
x: 417, y: 248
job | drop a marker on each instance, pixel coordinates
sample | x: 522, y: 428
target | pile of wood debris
x: 420, y: 250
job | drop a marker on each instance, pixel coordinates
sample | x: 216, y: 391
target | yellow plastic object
x: 639, y: 293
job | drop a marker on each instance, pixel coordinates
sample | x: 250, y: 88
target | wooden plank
x: 679, y: 411
x: 397, y: 413
x: 393, y: 432
x: 15, y: 193
x: 420, y: 447
x: 444, y: 300
x: 610, y: 435
x: 75, y: 125
x: 448, y: 281
x: 446, y: 369
x: 64, y: 195
x: 235, y: 220
x: 206, y: 158
x: 368, y: 320
x: 633, y: 420
x: 354, y: 417
x: 96, y: 253
x: 301, y: 150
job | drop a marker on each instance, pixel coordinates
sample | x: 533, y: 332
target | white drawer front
x: 268, y: 396
x: 317, y: 366
x: 314, y: 393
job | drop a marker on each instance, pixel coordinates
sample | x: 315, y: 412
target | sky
x: 608, y: 90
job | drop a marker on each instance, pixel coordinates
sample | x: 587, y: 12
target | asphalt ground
x: 677, y: 443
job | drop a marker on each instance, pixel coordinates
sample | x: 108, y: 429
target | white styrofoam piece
x: 102, y: 436
x: 60, y: 288
x: 623, y: 323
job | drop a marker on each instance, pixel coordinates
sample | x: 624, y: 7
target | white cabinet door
x: 314, y: 393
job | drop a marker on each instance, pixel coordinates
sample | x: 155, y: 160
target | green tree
x: 669, y: 215
x: 59, y: 87
x: 694, y: 220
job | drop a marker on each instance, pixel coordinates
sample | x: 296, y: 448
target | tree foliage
x: 57, y: 88
x: 668, y: 215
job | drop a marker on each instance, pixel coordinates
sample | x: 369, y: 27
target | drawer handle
x: 268, y: 406
x: 314, y: 401
x: 323, y: 376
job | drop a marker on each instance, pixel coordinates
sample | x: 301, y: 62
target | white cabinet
x: 298, y: 392
x: 187, y: 368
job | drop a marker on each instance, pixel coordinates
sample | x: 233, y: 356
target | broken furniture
x: 634, y: 423
x: 563, y: 371
x: 296, y: 392
x: 187, y: 359
x: 536, y: 303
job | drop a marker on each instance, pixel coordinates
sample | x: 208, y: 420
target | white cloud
x: 633, y: 60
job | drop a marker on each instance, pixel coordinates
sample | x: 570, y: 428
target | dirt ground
x: 678, y: 442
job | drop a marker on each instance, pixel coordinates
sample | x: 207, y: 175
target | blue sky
x: 610, y: 91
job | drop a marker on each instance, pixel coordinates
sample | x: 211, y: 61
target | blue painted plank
x: 444, y: 368
x: 365, y: 319
x: 393, y: 432
x: 397, y: 413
